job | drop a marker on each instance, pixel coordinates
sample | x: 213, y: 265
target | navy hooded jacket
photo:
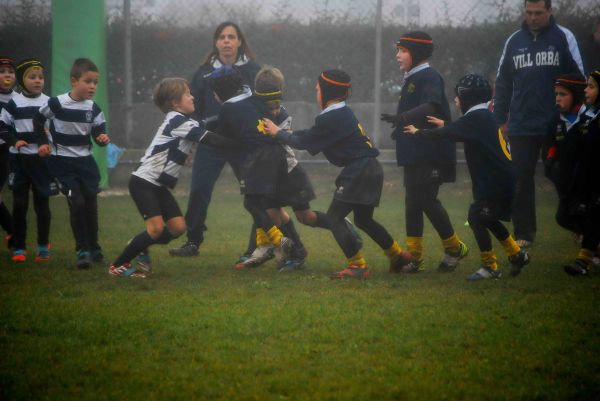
x: 529, y: 66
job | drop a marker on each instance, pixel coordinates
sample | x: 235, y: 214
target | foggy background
x: 302, y: 38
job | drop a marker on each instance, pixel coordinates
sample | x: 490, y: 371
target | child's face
x: 7, y: 78
x: 404, y: 59
x: 564, y: 99
x: 185, y: 104
x: 591, y: 92
x: 319, y: 99
x: 84, y: 88
x: 34, y: 81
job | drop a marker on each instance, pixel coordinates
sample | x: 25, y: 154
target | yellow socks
x: 585, y: 255
x: 414, y: 245
x: 488, y: 258
x: 275, y: 236
x: 451, y: 244
x: 393, y: 252
x: 358, y: 260
x: 510, y: 246
x: 262, y: 239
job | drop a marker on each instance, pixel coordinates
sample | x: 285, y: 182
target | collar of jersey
x: 479, y: 106
x: 244, y: 95
x: 418, y: 68
x: 334, y: 106
x: 216, y: 63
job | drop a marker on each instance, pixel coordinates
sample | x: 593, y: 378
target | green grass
x: 198, y: 330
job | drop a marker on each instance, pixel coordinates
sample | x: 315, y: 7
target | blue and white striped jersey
x: 4, y: 99
x: 169, y: 149
x: 73, y: 124
x: 18, y: 115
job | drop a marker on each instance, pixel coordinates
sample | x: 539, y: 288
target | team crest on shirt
x: 411, y: 88
x: 88, y: 116
x: 261, y: 127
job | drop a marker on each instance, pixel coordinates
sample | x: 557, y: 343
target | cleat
x: 351, y: 271
x: 400, y: 262
x: 517, y: 262
x: 97, y: 256
x: 577, y: 268
x: 484, y: 273
x: 83, y: 259
x: 354, y: 232
x: 283, y: 251
x: 187, y: 250
x: 125, y: 270
x: 596, y: 261
x: 451, y: 259
x: 260, y: 255
x: 143, y: 262
x: 415, y: 266
x: 292, y: 265
x: 43, y: 253
x: 523, y: 243
x: 19, y: 255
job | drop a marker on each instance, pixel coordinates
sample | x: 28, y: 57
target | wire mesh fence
x: 302, y: 38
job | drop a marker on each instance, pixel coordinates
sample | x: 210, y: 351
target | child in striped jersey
x: 151, y: 183
x: 28, y: 164
x: 7, y: 82
x: 75, y: 119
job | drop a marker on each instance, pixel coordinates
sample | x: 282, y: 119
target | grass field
x: 198, y: 330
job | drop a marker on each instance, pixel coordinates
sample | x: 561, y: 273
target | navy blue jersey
x: 488, y: 157
x: 423, y: 85
x: 337, y: 133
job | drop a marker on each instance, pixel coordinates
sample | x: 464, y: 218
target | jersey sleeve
x: 313, y: 140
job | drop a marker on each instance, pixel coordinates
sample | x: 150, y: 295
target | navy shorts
x: 153, y: 200
x: 295, y: 190
x: 31, y: 171
x: 492, y: 210
x: 264, y: 168
x: 75, y: 173
x: 360, y: 182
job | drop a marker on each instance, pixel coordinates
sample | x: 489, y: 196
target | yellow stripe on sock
x: 585, y: 255
x: 451, y: 244
x: 275, y: 236
x: 488, y: 258
x: 262, y: 239
x: 393, y: 252
x: 358, y: 260
x: 414, y: 245
x: 510, y: 246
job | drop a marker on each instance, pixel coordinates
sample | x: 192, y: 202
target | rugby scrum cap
x: 595, y: 75
x: 472, y: 89
x: 24, y: 66
x: 226, y: 81
x: 335, y: 85
x: 418, y: 44
x: 574, y: 83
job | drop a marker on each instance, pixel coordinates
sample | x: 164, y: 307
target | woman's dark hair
x: 244, y: 49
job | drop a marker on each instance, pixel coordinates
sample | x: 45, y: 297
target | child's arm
x: 412, y: 116
x: 7, y: 133
x: 39, y: 129
x: 219, y: 141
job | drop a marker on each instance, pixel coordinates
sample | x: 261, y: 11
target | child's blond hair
x: 168, y: 91
x: 268, y: 84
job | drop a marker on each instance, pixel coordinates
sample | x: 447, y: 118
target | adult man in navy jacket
x: 533, y: 57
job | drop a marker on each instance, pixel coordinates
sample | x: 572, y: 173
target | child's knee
x: 177, y: 227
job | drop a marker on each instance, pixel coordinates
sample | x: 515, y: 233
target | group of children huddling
x: 45, y: 147
x: 255, y: 127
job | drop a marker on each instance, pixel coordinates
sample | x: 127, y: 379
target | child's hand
x: 435, y: 121
x: 20, y: 143
x: 271, y: 128
x: 410, y: 129
x: 103, y: 139
x: 44, y: 150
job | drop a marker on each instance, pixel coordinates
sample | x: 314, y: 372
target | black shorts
x: 295, y: 190
x: 416, y: 175
x: 263, y: 169
x: 75, y: 173
x: 492, y: 210
x: 360, y: 182
x: 31, y: 171
x: 153, y: 200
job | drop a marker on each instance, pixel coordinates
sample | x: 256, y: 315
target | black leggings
x: 480, y: 227
x: 41, y: 205
x: 83, y: 208
x: 255, y: 205
x: 363, y: 218
x: 423, y: 199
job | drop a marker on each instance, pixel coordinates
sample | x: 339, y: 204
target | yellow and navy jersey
x: 422, y: 85
x: 17, y: 116
x: 487, y: 153
x: 337, y: 133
